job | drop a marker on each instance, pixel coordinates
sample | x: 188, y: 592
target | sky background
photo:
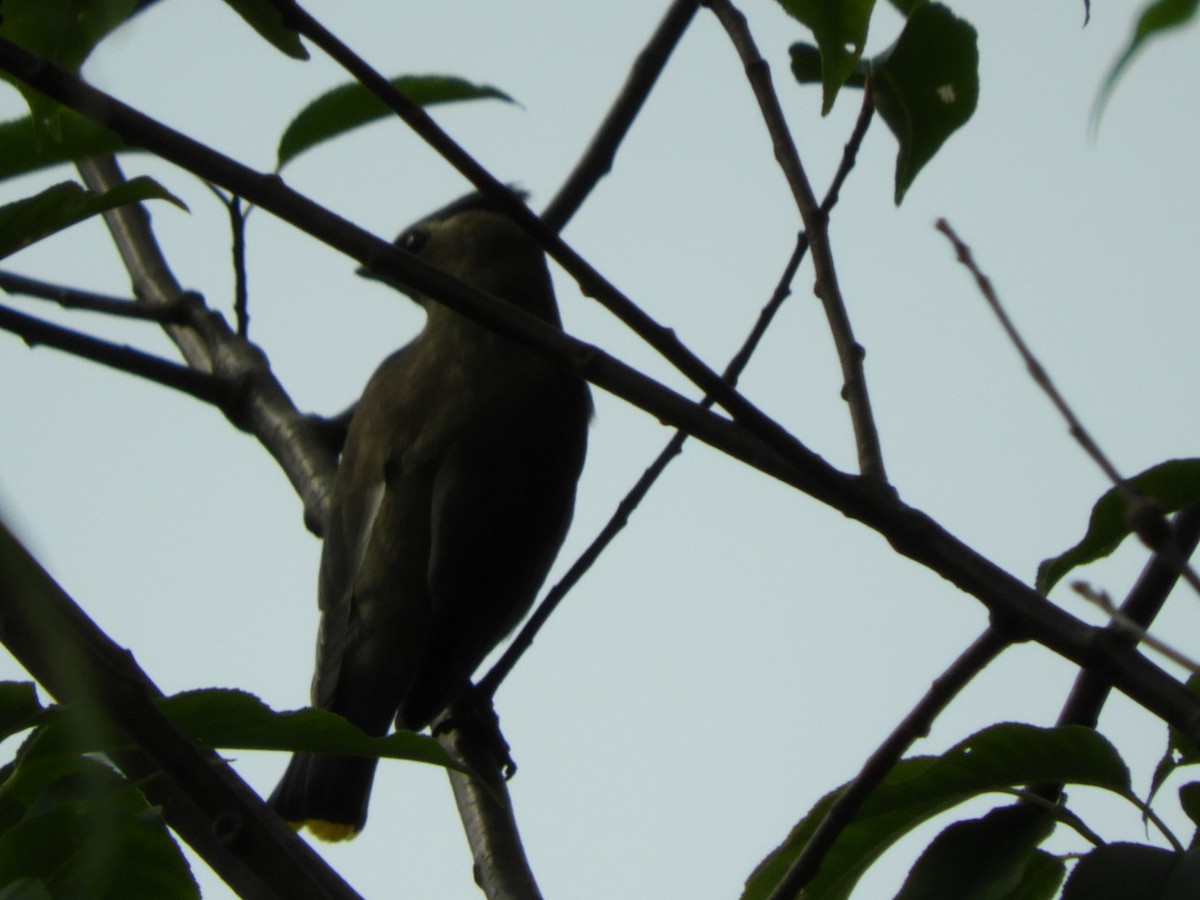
x: 741, y: 649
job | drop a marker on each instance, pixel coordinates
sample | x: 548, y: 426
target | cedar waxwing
x: 454, y: 493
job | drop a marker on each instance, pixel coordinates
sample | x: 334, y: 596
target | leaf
x: 351, y: 105
x: 1043, y: 875
x: 926, y: 86
x: 263, y: 17
x: 79, y: 137
x: 220, y: 717
x: 1172, y: 485
x: 919, y: 788
x: 1189, y: 800
x: 65, y: 31
x: 1156, y: 18
x: 841, y: 32
x: 806, y: 66
x: 1121, y: 872
x: 58, y: 207
x: 979, y: 859
x: 19, y: 707
x: 88, y: 832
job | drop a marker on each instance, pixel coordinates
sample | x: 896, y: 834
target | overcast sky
x: 741, y: 649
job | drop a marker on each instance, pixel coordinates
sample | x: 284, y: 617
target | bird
x: 453, y: 494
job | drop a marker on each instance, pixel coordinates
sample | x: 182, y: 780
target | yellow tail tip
x: 331, y: 831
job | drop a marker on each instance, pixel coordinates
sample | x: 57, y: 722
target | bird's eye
x: 414, y: 240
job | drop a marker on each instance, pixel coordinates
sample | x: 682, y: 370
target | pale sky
x: 741, y: 649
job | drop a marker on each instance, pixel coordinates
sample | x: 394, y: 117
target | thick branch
x: 254, y: 401
x: 202, y: 798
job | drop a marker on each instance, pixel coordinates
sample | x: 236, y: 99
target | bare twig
x: 597, y: 160
x: 850, y: 352
x: 237, y: 230
x: 74, y: 298
x: 1143, y: 515
x: 915, y: 725
x: 200, y: 385
x: 1124, y: 623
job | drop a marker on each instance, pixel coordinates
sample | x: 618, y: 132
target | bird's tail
x: 328, y: 794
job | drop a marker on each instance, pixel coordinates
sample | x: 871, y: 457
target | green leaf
x: 218, y: 717
x: 1156, y: 18
x: 918, y: 788
x: 806, y: 66
x: 352, y: 105
x: 926, y: 86
x: 1121, y: 872
x: 88, y: 832
x: 1043, y: 875
x: 1172, y: 485
x: 263, y: 17
x: 979, y: 859
x: 65, y: 31
x: 79, y: 138
x: 58, y: 207
x: 841, y: 32
x: 1189, y: 800
x: 19, y: 707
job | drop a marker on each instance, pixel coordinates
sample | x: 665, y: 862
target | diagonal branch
x: 597, y: 160
x: 74, y: 298
x: 850, y: 352
x: 916, y: 724
x: 202, y: 798
x: 196, y: 384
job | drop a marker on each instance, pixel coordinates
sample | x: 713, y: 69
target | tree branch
x: 202, y: 797
x: 256, y: 402
x: 597, y: 160
x: 124, y: 359
x: 73, y: 298
x: 850, y: 352
x: 915, y: 725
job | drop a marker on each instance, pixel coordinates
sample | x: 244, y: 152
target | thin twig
x: 1141, y: 605
x: 237, y: 230
x: 915, y: 725
x: 1143, y: 515
x: 74, y: 298
x: 524, y: 640
x: 196, y: 384
x: 850, y: 352
x: 597, y: 160
x: 1132, y: 628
